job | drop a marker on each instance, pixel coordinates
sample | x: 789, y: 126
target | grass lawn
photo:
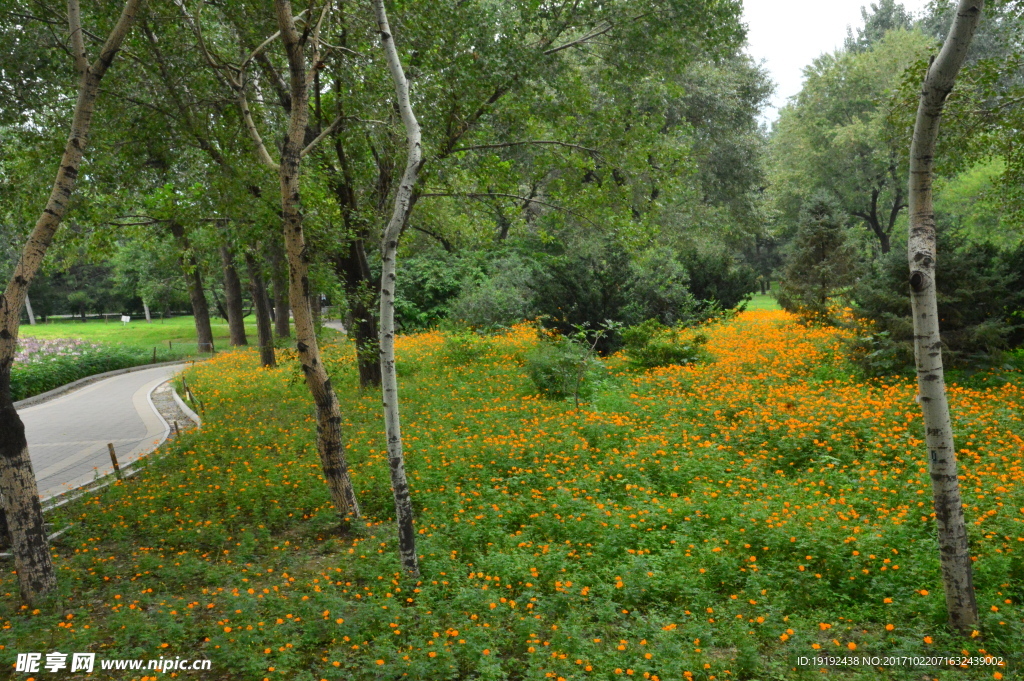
x: 700, y: 522
x: 763, y: 302
x: 137, y: 333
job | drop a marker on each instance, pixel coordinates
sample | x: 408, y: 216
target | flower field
x: 45, y: 364
x: 700, y: 522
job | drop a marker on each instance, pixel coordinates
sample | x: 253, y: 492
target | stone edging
x: 68, y: 387
x: 185, y: 408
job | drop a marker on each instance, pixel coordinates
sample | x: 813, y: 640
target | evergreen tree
x: 822, y: 262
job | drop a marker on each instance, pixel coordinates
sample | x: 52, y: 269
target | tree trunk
x: 359, y: 291
x: 18, y: 487
x: 264, y: 332
x: 317, y: 310
x: 279, y: 282
x: 234, y: 307
x: 145, y: 308
x: 200, y: 308
x: 28, y: 311
x: 954, y: 552
x: 22, y: 511
x: 328, y: 415
x: 405, y: 199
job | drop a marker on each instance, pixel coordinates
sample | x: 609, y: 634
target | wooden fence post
x: 113, y: 460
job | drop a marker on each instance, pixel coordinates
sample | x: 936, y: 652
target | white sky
x: 789, y: 34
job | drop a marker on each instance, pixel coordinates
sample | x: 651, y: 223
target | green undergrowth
x: 686, y: 523
x: 29, y: 379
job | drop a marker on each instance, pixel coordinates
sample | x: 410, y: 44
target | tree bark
x: 145, y: 308
x: 954, y: 552
x: 194, y: 280
x: 234, y: 307
x: 264, y: 332
x: 328, y: 415
x: 279, y: 282
x: 18, y: 488
x: 353, y: 268
x: 355, y: 274
x: 405, y: 199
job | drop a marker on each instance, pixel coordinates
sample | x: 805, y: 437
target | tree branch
x: 254, y: 133
x: 329, y: 130
x: 445, y: 244
x: 77, y: 40
x: 516, y: 144
x: 517, y: 197
x: 593, y: 34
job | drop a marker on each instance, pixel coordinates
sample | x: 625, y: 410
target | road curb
x: 185, y: 408
x: 68, y: 387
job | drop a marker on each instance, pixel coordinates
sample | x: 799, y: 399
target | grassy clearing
x: 762, y: 302
x: 703, y: 522
x: 139, y: 334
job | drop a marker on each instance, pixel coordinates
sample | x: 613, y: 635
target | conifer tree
x: 822, y: 263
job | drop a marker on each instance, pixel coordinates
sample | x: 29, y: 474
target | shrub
x: 651, y: 344
x: 980, y: 293
x: 565, y: 367
x: 659, y: 288
x: 591, y: 287
x: 500, y: 299
x: 428, y: 285
x: 463, y: 346
x: 717, y: 280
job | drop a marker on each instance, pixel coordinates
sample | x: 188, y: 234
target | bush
x: 980, y: 293
x: 463, y: 346
x: 590, y: 288
x: 501, y: 299
x: 428, y: 285
x: 565, y: 367
x: 659, y: 288
x: 717, y: 280
x: 652, y: 344
x: 40, y: 366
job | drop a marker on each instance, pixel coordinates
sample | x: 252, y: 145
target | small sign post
x: 125, y: 319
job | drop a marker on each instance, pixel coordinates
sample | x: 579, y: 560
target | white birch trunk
x: 29, y: 312
x: 954, y: 552
x: 18, y: 487
x: 145, y: 308
x: 404, y: 201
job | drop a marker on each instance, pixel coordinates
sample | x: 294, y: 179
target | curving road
x: 68, y: 436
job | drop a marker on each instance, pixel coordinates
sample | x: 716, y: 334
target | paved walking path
x: 68, y: 436
x: 334, y: 324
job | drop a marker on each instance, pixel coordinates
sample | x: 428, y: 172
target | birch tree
x: 954, y: 551
x: 405, y: 199
x: 36, y: 576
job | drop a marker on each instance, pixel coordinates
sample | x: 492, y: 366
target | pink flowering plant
x: 42, y: 365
